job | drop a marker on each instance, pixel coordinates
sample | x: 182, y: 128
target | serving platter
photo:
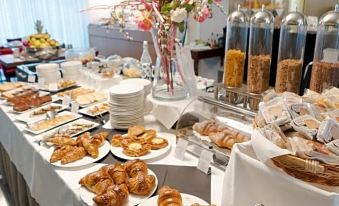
x: 187, y: 200
x: 87, y: 197
x: 75, y: 116
x: 118, y: 151
x: 28, y: 116
x: 85, y: 111
x: 46, y: 88
x: 87, y: 160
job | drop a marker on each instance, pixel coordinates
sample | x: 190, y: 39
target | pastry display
x: 70, y: 130
x: 98, y: 109
x: 19, y: 91
x: 138, y: 141
x: 84, y: 96
x: 74, y: 93
x: 68, y: 150
x: 9, y: 86
x: 26, y: 102
x: 65, y: 84
x: 46, y: 109
x: 112, y: 184
x: 50, y: 123
x: 219, y: 133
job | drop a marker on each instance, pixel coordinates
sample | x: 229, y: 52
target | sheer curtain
x: 61, y: 18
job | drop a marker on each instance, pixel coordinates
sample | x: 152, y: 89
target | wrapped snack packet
x: 301, y: 109
x: 275, y: 135
x: 275, y: 112
x: 328, y: 131
x: 269, y: 95
x: 291, y: 98
x: 333, y: 115
x: 306, y: 125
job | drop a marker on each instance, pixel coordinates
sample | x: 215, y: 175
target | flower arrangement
x: 163, y: 18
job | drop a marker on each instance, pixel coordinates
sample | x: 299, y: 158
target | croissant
x: 101, y: 137
x: 59, y: 152
x: 116, y: 195
x: 169, y: 197
x: 133, y: 167
x: 227, y: 140
x: 141, y: 184
x: 206, y: 127
x: 118, y: 174
x: 101, y: 186
x: 76, y: 153
x: 62, y: 140
x: 91, y: 179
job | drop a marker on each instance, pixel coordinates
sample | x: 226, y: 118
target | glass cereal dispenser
x: 260, y: 50
x: 235, y: 48
x: 325, y: 72
x: 291, y: 52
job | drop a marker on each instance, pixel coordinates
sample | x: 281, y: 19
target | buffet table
x: 23, y: 163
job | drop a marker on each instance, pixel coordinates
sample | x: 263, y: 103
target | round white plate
x: 117, y: 151
x: 122, y: 90
x: 187, y: 200
x: 87, y: 197
x: 103, y: 151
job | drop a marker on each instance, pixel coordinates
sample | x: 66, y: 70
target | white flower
x: 179, y: 15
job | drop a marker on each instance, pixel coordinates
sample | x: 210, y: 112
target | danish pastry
x: 116, y: 140
x: 135, y: 130
x: 158, y: 143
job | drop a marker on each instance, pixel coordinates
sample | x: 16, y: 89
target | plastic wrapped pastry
x: 306, y: 125
x: 328, y: 131
x: 275, y: 112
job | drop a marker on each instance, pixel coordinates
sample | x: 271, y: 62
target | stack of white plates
x: 49, y: 72
x: 71, y: 70
x: 147, y: 84
x: 126, y: 105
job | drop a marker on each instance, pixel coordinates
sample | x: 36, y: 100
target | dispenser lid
x: 238, y: 16
x: 262, y: 17
x: 294, y: 18
x: 330, y: 18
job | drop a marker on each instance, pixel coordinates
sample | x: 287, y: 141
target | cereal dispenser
x: 235, y: 48
x: 325, y: 72
x: 291, y: 52
x: 260, y: 50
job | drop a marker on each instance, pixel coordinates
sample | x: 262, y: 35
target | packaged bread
x: 306, y: 125
x: 275, y: 112
x: 328, y: 131
x: 301, y: 109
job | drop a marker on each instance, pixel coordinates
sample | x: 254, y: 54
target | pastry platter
x: 39, y: 113
x: 60, y: 86
x: 87, y: 197
x: 118, y: 151
x: 87, y: 160
x: 95, y: 110
x: 62, y: 118
x: 187, y: 200
x: 68, y: 129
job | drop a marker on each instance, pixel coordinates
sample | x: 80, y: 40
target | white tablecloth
x: 54, y: 186
x: 248, y: 181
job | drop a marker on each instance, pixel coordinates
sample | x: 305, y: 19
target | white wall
x: 96, y: 15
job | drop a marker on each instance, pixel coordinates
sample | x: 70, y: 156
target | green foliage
x: 182, y: 26
x: 38, y: 26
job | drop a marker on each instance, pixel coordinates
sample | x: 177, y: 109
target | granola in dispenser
x: 258, y: 73
x: 324, y: 75
x: 234, y: 68
x: 288, y: 76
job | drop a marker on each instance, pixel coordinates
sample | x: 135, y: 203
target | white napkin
x: 265, y: 149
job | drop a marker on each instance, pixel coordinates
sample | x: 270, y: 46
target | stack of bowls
x: 49, y: 72
x: 71, y: 70
x: 126, y: 105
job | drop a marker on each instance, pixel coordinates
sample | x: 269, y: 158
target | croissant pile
x: 68, y: 150
x: 112, y: 184
x: 219, y: 133
x: 168, y: 196
x: 138, y: 141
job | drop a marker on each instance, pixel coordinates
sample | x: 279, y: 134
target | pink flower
x: 148, y: 6
x: 217, y: 1
x: 203, y: 14
x: 144, y: 20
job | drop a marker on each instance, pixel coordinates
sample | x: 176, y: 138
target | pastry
x: 118, y: 174
x: 101, y: 186
x: 98, y: 109
x: 141, y: 184
x: 61, y: 140
x: 148, y: 135
x: 116, y: 140
x: 49, y: 123
x: 158, y: 143
x: 133, y: 167
x: 76, y: 153
x: 10, y: 85
x: 91, y: 145
x: 59, y: 152
x: 134, y: 148
x: 92, y: 178
x: 136, y: 130
x: 116, y: 195
x: 169, y: 197
x: 101, y: 137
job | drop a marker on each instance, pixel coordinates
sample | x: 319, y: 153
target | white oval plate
x: 103, y: 151
x: 117, y: 151
x: 187, y: 200
x: 87, y: 197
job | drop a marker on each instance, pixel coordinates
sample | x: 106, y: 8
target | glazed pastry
x: 76, y: 153
x: 116, y: 195
x: 141, y: 184
x: 136, y: 130
x: 116, y: 140
x: 101, y: 186
x: 59, y: 152
x: 118, y: 174
x: 91, y: 179
x: 101, y: 137
x: 91, y: 145
x: 158, y: 143
x: 148, y: 135
x: 133, y: 167
x: 136, y: 148
x: 169, y: 197
x: 61, y: 140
